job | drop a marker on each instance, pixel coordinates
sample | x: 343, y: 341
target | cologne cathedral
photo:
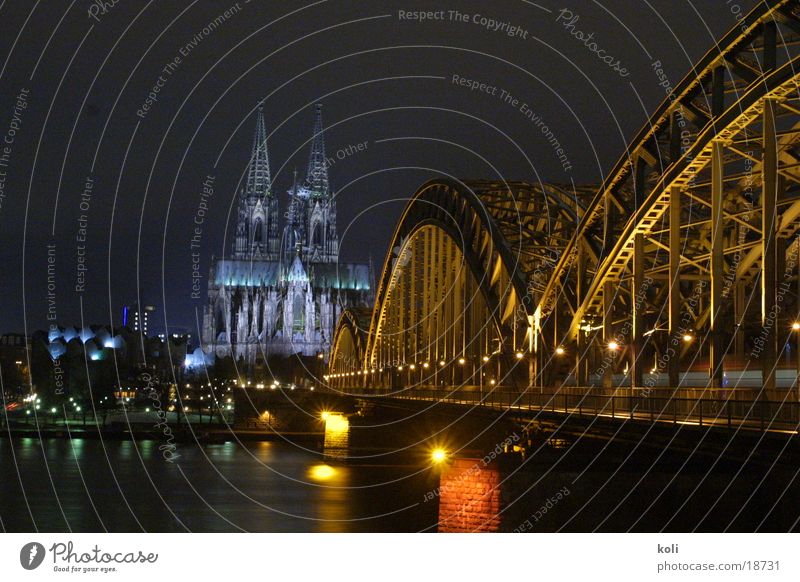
x: 283, y: 288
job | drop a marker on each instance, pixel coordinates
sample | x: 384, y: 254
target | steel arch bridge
x: 679, y: 271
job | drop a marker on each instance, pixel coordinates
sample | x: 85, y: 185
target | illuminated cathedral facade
x: 283, y: 288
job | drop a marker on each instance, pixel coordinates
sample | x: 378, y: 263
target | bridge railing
x: 693, y: 406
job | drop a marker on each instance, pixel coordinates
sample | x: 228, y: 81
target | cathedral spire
x: 257, y: 231
x: 259, y: 182
x: 317, y: 176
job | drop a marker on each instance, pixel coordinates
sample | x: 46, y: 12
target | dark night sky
x: 382, y: 80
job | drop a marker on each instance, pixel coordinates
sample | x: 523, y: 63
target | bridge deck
x: 721, y: 409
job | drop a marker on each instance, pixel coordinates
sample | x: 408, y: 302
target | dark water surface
x: 88, y: 485
x: 121, y: 485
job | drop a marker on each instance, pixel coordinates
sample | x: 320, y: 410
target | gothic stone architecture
x: 282, y: 290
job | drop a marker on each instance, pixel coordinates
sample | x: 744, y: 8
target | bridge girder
x: 479, y: 245
x: 692, y: 235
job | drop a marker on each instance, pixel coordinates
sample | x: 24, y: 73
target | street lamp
x: 560, y: 351
x: 438, y: 455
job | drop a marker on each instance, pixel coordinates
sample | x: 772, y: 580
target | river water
x: 88, y: 485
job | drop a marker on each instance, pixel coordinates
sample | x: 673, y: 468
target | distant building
x: 281, y: 290
x: 14, y: 358
x: 137, y: 318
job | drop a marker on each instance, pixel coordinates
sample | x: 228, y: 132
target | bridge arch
x: 666, y: 272
x: 679, y: 270
x: 348, y: 346
x: 454, y: 300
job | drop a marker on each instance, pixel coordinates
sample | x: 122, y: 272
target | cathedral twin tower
x: 282, y: 290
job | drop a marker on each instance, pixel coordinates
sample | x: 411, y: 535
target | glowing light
x: 320, y: 356
x: 613, y: 346
x: 441, y: 362
x: 325, y: 415
x: 520, y: 355
x: 426, y: 365
x: 560, y: 351
x: 485, y: 358
x: 399, y: 368
x: 53, y: 410
x: 688, y: 338
x: 412, y: 367
x: 461, y: 361
x: 438, y: 455
x: 796, y: 326
x: 322, y: 472
x: 492, y: 382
